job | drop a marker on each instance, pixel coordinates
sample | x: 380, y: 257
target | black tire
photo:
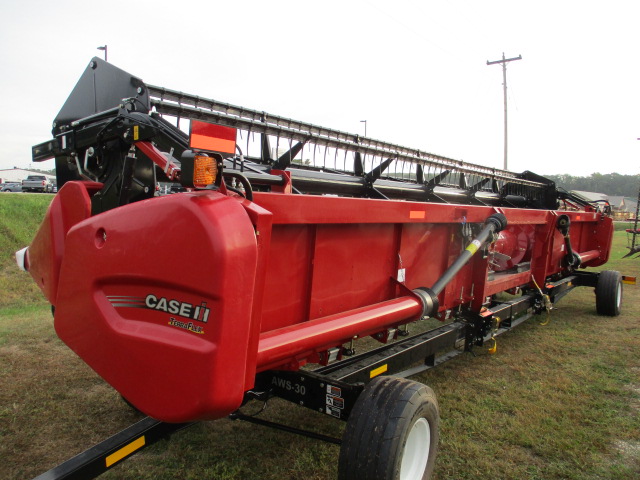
x: 392, y: 432
x: 609, y: 293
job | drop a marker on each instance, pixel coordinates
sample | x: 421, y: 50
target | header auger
x: 288, y: 244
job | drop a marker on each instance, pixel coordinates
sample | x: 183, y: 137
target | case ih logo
x: 174, y: 307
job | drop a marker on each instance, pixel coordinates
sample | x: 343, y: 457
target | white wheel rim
x: 416, y: 451
x: 618, y: 295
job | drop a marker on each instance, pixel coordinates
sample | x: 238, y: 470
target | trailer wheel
x: 609, y: 293
x: 392, y: 432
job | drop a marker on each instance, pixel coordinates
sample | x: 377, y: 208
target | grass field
x: 560, y: 401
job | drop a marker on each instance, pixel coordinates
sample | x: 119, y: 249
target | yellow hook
x: 493, y: 349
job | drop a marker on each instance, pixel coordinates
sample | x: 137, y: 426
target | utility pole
x: 635, y: 222
x: 365, y: 126
x: 504, y: 85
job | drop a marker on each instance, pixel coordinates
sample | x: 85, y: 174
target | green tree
x: 608, y: 183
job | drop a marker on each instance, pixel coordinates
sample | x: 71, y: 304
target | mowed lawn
x: 557, y: 401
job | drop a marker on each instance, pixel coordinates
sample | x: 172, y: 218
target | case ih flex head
x: 288, y: 242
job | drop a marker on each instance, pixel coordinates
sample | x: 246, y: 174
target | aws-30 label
x: 289, y: 386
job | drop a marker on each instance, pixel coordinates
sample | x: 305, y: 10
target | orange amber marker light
x: 205, y: 171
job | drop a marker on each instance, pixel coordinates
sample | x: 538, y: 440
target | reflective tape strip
x: 203, y: 142
x: 377, y: 371
x: 125, y: 451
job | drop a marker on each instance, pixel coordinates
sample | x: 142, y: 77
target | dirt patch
x: 635, y: 388
x: 628, y: 449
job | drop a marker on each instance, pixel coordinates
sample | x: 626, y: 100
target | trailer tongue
x: 289, y: 242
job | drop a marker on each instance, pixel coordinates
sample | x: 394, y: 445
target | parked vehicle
x: 51, y: 187
x: 36, y: 183
x: 11, y: 187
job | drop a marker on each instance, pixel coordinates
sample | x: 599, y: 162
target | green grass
x: 560, y: 401
x: 623, y: 225
x: 20, y: 217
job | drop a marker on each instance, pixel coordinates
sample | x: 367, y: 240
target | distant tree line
x: 48, y: 172
x: 608, y: 183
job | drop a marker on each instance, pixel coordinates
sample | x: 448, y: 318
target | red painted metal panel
x: 288, y: 276
x: 261, y: 221
x: 352, y: 267
x: 283, y: 278
x: 70, y: 206
x: 348, y: 263
x: 419, y: 243
x: 172, y: 337
x: 601, y: 240
x: 295, y: 209
x: 505, y: 281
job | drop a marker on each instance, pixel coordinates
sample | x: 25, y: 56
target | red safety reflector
x: 417, y: 214
x: 211, y: 137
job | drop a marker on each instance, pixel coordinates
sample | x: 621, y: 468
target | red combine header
x: 288, y: 243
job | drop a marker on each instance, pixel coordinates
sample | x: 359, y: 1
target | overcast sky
x: 415, y: 70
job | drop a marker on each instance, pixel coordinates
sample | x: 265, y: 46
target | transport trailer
x: 289, y: 243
